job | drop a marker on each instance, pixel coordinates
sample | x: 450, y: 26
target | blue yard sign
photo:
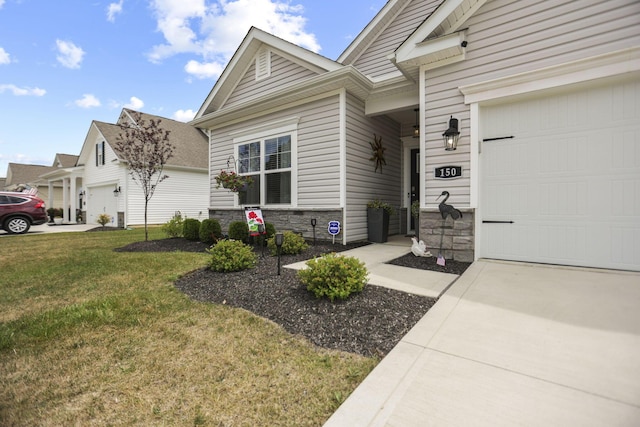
x: 334, y: 229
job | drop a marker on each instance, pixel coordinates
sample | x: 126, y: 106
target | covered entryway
x: 560, y: 177
x: 101, y: 200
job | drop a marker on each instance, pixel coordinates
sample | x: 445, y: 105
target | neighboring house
x: 107, y: 186
x: 20, y: 176
x: 546, y: 95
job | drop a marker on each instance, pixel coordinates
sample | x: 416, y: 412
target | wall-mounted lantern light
x: 451, y: 135
x: 82, y: 193
x: 117, y: 190
x: 416, y: 127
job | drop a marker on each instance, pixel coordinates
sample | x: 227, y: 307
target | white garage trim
x: 596, y: 67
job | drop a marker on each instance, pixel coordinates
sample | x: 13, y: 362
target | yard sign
x: 254, y: 221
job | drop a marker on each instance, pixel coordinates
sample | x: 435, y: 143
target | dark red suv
x: 19, y: 211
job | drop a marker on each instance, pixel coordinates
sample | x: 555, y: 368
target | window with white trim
x: 269, y: 162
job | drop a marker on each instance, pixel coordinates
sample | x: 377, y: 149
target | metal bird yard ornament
x: 445, y: 211
x: 378, y: 152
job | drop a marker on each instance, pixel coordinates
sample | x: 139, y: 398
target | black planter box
x: 377, y: 225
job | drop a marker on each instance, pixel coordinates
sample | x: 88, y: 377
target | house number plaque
x: 448, y: 172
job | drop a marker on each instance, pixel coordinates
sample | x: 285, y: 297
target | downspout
x: 423, y: 132
x: 343, y: 162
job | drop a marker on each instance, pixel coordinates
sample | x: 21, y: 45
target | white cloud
x: 87, y: 101
x: 4, y: 56
x: 22, y: 91
x: 184, y: 115
x: 204, y: 70
x: 114, y: 9
x: 69, y: 55
x: 1, y: 3
x: 215, y: 31
x: 134, y: 103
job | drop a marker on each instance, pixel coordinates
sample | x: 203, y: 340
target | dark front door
x: 415, y: 181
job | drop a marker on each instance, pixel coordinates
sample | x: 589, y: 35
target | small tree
x: 104, y: 219
x: 146, y: 149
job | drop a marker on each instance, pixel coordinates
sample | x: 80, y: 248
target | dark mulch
x: 370, y: 323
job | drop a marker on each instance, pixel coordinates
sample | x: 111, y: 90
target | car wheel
x: 17, y: 225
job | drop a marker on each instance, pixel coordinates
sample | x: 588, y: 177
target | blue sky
x: 66, y: 63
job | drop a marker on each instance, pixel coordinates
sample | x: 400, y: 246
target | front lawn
x: 91, y: 336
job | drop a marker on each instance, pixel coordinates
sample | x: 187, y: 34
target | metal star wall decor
x: 378, y: 152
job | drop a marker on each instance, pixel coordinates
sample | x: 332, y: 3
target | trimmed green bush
x: 270, y: 229
x: 173, y: 227
x: 334, y: 276
x: 231, y: 255
x: 191, y: 229
x: 239, y: 230
x: 292, y: 244
x: 210, y: 231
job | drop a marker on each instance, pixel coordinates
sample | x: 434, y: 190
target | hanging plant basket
x: 232, y: 181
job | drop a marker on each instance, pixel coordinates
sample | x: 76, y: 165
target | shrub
x: 103, y: 219
x: 231, y: 255
x: 270, y: 229
x: 292, y: 244
x: 239, y: 230
x: 173, y: 227
x: 334, y: 276
x: 191, y: 229
x: 210, y: 230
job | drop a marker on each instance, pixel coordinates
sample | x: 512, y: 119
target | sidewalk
x: 513, y: 344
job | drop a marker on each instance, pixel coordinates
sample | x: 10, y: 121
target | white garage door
x: 566, y: 188
x: 101, y: 200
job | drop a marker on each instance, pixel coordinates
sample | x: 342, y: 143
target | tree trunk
x: 146, y: 230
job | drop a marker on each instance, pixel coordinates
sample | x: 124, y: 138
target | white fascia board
x: 433, y: 52
x: 424, y: 31
x: 392, y: 102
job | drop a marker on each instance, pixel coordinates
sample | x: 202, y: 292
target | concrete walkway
x: 46, y: 228
x: 375, y: 255
x: 513, y: 344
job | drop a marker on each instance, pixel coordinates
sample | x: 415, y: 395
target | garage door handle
x: 497, y: 222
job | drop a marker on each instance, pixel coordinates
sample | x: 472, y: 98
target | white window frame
x: 260, y: 134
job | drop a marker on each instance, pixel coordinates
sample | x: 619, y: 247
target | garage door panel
x: 569, y: 179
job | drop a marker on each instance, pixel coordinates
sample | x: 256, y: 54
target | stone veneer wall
x: 295, y: 220
x: 458, y: 238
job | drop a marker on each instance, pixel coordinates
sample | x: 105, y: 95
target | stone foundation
x: 295, y: 220
x: 457, y: 237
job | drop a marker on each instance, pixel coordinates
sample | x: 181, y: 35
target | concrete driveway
x: 46, y: 228
x: 513, y: 344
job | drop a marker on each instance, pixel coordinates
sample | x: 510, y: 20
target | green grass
x: 93, y: 336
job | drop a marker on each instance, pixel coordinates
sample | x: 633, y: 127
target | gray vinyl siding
x: 506, y: 38
x: 363, y: 183
x: 318, y: 155
x: 318, y: 162
x: 373, y: 62
x: 283, y: 72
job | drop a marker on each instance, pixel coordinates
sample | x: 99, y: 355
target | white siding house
x: 546, y: 96
x: 109, y: 188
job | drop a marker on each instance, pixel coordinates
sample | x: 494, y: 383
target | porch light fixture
x: 416, y: 127
x: 117, y: 190
x: 451, y: 135
x: 82, y: 193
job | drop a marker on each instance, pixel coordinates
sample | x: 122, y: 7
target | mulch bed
x: 369, y: 323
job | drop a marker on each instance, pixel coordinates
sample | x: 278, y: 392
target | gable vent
x: 263, y: 64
